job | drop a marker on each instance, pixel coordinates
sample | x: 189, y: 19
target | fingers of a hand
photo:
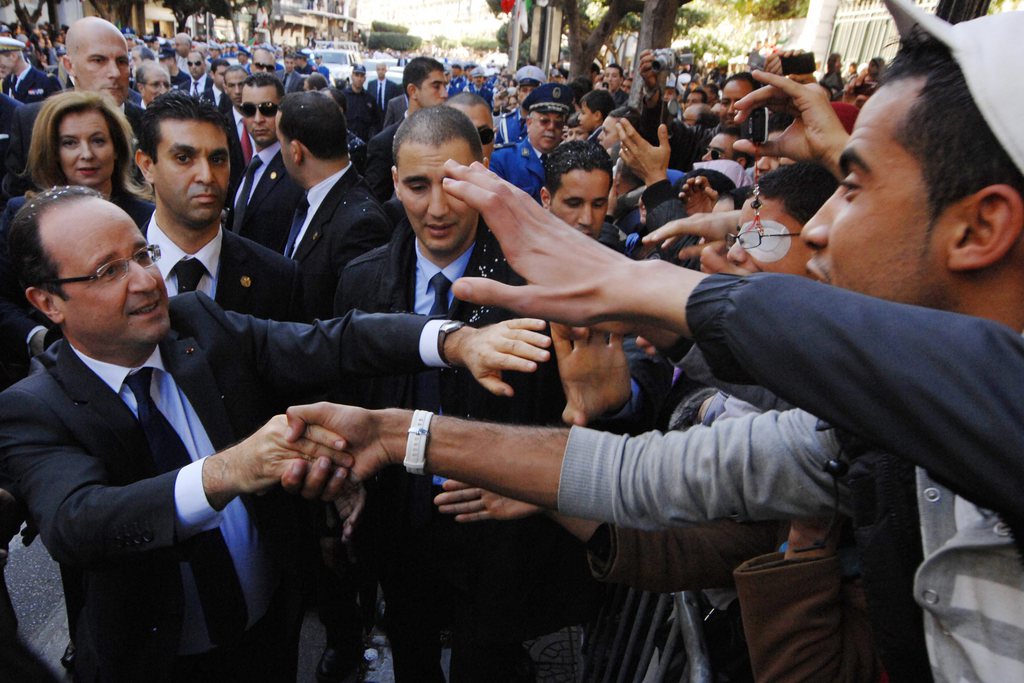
x: 324, y: 436
x: 462, y: 506
x: 316, y: 479
x: 473, y: 517
x: 493, y: 384
x: 535, y: 324
x: 662, y: 135
x: 294, y: 476
x: 768, y: 148
x: 454, y: 485
x: 525, y: 345
x: 457, y: 496
x: 480, y: 290
x: 296, y: 426
x: 627, y: 130
x: 336, y: 484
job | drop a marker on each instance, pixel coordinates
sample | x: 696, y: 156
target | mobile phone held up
x: 755, y: 128
x: 802, y: 63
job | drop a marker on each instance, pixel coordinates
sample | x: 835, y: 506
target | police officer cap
x: 244, y: 51
x: 4, y: 28
x: 478, y: 72
x: 456, y: 65
x: 359, y: 69
x: 168, y: 52
x: 550, y: 97
x: 530, y: 75
x: 10, y: 45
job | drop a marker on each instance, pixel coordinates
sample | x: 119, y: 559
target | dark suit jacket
x: 83, y: 466
x: 257, y: 281
x: 348, y: 223
x: 7, y: 107
x: 35, y: 87
x: 391, y: 90
x: 396, y: 109
x: 540, y: 569
x: 268, y: 217
x: 379, y: 160
x: 18, y: 181
x: 292, y: 82
x: 235, y: 148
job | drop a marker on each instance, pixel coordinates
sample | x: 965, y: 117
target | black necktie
x: 243, y: 199
x: 380, y: 93
x: 189, y: 271
x: 297, y: 220
x: 216, y: 581
x: 428, y: 397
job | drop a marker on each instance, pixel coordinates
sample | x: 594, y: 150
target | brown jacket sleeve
x: 803, y: 622
x: 684, y: 558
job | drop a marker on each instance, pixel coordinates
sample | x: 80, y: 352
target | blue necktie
x: 297, y: 220
x: 216, y: 581
x: 428, y: 397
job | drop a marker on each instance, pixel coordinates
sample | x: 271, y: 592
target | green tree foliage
x: 481, y: 44
x: 385, y: 27
x: 389, y: 40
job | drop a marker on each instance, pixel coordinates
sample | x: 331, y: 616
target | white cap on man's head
x: 984, y: 48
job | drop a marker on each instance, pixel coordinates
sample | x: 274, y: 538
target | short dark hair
x: 236, y: 67
x: 599, y: 101
x: 580, y: 86
x: 615, y: 66
x: 32, y: 265
x: 803, y: 188
x: 437, y: 125
x: 744, y: 76
x: 418, y: 70
x: 697, y: 91
x: 262, y: 79
x: 576, y: 155
x: 735, y: 132
x: 176, y: 105
x: 316, y: 122
x: 316, y: 81
x: 217, y: 63
x: 628, y: 113
x: 944, y: 129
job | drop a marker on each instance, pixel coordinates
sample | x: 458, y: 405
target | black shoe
x: 336, y: 665
x: 68, y: 660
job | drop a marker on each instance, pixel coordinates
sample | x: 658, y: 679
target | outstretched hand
x: 472, y: 504
x: 515, y: 345
x: 816, y: 134
x: 594, y: 372
x: 650, y: 163
x: 354, y: 434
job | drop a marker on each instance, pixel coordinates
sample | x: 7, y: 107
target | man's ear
x: 987, y: 226
x: 394, y: 181
x: 297, y: 150
x: 46, y: 302
x: 545, y: 198
x: 68, y: 67
x: 145, y: 164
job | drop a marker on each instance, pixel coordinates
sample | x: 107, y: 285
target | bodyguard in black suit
x: 265, y: 202
x: 339, y: 218
x: 424, y: 83
x: 92, y: 45
x: 198, y: 254
x: 382, y: 90
x: 437, y: 574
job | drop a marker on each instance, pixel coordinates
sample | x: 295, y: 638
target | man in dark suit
x: 396, y: 108
x: 198, y: 255
x: 382, y: 91
x: 291, y: 78
x: 200, y: 83
x: 423, y: 83
x: 120, y: 445
x: 241, y: 143
x: 22, y: 81
x: 179, y: 77
x: 339, y: 219
x: 96, y: 59
x: 266, y: 199
x: 219, y: 67
x: 437, y: 574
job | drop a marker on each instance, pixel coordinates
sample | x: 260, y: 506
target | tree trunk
x: 586, y: 41
x: 655, y: 32
x: 26, y: 18
x: 234, y: 27
x: 955, y: 11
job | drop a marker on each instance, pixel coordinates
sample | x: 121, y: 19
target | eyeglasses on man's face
x: 751, y: 238
x: 115, y: 270
x: 264, y: 66
x: 486, y: 134
x: 199, y: 63
x: 249, y: 109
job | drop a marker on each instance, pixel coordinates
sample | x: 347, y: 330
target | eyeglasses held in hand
x: 115, y: 270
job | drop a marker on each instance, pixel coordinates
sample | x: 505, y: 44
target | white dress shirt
x: 255, y: 572
x: 266, y: 155
x: 171, y: 253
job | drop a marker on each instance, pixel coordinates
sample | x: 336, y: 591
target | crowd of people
x: 265, y: 349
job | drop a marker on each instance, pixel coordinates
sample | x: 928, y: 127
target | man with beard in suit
x: 96, y: 59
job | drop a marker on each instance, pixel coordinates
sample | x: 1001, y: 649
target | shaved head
x: 97, y: 58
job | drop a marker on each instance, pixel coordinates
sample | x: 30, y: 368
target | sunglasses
x: 249, y: 109
x: 199, y: 63
x: 715, y: 154
x: 265, y: 67
x: 486, y: 135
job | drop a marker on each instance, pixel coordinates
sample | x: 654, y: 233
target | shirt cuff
x: 190, y: 502
x: 32, y: 333
x: 428, y: 344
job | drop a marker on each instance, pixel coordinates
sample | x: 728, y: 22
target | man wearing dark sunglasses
x: 264, y: 203
x: 479, y: 112
x: 200, y: 85
x: 721, y: 147
x: 263, y: 61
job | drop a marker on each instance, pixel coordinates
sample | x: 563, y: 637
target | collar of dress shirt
x: 315, y: 195
x: 200, y: 83
x: 114, y: 375
x: 171, y: 253
x: 426, y: 269
x: 267, y: 155
x: 239, y: 121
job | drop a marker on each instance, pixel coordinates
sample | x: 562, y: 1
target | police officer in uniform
x: 511, y: 127
x: 522, y: 163
x: 22, y: 81
x: 361, y: 113
x: 458, y: 82
x: 479, y: 85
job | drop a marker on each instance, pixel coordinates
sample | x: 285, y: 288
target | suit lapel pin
x: 245, y: 281
x: 190, y: 350
x: 273, y: 175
